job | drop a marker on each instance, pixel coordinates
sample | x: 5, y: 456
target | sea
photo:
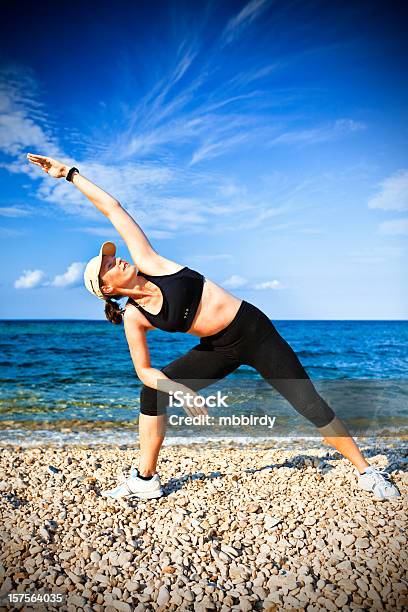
x: 73, y: 382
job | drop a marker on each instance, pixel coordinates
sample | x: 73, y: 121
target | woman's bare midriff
x: 217, y: 309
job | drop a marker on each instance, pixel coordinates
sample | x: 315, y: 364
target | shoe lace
x: 122, y: 482
x: 381, y: 477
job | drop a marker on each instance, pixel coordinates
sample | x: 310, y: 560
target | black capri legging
x: 250, y: 339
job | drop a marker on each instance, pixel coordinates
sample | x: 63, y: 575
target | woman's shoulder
x: 160, y: 266
x: 133, y: 316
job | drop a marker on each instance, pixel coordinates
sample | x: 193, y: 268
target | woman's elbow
x: 145, y: 377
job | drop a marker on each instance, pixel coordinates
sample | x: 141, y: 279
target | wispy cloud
x: 235, y: 281
x: 23, y: 120
x: 29, y: 279
x: 143, y: 187
x: 271, y: 284
x: 323, y: 133
x: 130, y: 183
x: 229, y: 187
x: 245, y: 78
x: 262, y: 216
x: 392, y: 193
x: 242, y: 20
x: 215, y: 148
x: 15, y: 211
x: 394, y: 227
x: 173, y: 112
x: 179, y: 111
x: 169, y: 193
x: 239, y: 282
x: 71, y: 277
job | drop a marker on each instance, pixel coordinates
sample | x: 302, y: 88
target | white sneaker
x: 379, y: 483
x: 136, y: 487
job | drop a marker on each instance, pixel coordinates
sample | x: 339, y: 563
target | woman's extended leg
x: 277, y: 362
x: 337, y: 435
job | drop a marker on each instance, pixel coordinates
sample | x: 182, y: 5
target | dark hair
x: 113, y: 311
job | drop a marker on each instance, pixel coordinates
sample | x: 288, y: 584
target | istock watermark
x: 233, y: 420
x: 252, y: 406
x: 181, y: 399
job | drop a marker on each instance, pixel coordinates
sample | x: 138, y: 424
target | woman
x: 165, y: 295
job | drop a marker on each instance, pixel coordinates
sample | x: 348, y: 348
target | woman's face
x: 115, y: 273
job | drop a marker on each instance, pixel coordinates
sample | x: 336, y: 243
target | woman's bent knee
x: 153, y: 402
x: 319, y: 413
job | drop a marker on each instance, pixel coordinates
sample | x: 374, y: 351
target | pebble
x: 53, y: 470
x: 122, y: 606
x: 348, y: 585
x: 271, y: 521
x: 362, y: 543
x: 298, y: 533
x: 188, y: 595
x: 348, y: 539
x: 86, y: 550
x: 163, y: 596
x: 341, y: 600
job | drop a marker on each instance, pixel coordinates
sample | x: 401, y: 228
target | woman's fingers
x: 42, y: 165
x: 36, y: 156
x: 42, y: 162
x: 33, y: 161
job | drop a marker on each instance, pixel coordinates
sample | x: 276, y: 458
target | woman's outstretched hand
x: 51, y: 166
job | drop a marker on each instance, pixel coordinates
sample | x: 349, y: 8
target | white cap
x: 92, y: 269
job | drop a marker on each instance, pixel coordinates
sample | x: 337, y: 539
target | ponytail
x: 113, y: 312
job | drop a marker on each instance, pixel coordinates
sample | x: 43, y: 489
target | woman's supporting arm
x: 150, y: 376
x: 183, y: 395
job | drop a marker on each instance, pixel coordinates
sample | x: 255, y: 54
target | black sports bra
x: 181, y: 292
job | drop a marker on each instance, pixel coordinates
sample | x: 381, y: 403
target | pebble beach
x: 258, y: 526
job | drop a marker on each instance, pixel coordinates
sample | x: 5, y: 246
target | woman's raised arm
x: 137, y: 242
x: 100, y: 198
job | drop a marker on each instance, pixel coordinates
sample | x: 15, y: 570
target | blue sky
x: 262, y: 143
